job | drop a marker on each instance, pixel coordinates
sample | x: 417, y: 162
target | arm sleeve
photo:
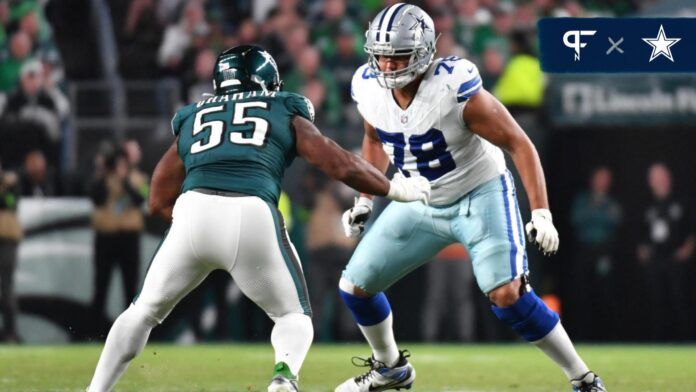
x: 300, y: 105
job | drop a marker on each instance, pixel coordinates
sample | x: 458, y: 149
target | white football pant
x: 243, y: 235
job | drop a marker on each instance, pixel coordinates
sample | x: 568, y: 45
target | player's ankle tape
x: 367, y: 311
x: 529, y: 317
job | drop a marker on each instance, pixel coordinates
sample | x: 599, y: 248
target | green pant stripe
x: 151, y: 260
x: 290, y: 260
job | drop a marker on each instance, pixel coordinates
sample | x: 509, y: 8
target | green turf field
x: 232, y: 367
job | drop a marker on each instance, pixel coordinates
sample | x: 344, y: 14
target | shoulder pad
x: 461, y: 75
x: 365, y: 91
x: 299, y: 105
x: 180, y: 116
x: 363, y: 80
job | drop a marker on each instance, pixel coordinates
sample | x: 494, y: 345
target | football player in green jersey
x: 219, y: 182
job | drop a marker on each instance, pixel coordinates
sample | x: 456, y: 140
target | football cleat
x: 590, y: 382
x: 283, y: 380
x: 380, y: 377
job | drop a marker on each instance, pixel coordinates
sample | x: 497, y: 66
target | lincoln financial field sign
x: 630, y: 100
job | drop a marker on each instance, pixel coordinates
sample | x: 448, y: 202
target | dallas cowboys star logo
x: 420, y: 22
x: 661, y: 45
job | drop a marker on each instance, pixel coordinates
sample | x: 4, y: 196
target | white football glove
x: 409, y: 188
x: 354, y: 219
x: 400, y: 189
x: 542, y: 232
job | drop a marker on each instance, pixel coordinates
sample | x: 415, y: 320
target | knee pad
x: 366, y: 311
x: 529, y: 316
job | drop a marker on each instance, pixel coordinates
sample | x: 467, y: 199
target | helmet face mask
x: 400, y: 30
x: 418, y: 63
x: 245, y: 68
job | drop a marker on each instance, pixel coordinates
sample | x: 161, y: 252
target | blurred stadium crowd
x: 86, y: 85
x: 317, y: 44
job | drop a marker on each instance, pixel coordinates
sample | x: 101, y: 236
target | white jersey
x: 430, y: 137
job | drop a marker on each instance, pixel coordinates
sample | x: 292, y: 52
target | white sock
x: 381, y: 339
x: 557, y: 346
x: 291, y: 337
x: 126, y: 339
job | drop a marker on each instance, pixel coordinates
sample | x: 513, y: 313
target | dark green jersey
x: 240, y: 142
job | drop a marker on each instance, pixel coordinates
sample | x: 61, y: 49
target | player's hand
x: 409, y: 189
x: 354, y: 219
x: 542, y: 232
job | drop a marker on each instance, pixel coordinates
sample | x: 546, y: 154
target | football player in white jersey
x: 431, y: 117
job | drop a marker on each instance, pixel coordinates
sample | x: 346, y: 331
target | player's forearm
x: 488, y: 118
x: 163, y: 195
x: 373, y: 153
x: 158, y: 204
x: 527, y: 162
x: 167, y: 213
x: 359, y: 174
x: 164, y: 211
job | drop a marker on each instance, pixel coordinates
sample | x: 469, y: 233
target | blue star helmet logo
x: 420, y: 22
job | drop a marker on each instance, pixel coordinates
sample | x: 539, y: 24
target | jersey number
x: 446, y: 65
x: 217, y: 127
x: 430, y: 149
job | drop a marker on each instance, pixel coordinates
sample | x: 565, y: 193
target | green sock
x: 282, y: 369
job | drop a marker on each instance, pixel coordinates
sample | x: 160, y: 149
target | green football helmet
x: 245, y: 68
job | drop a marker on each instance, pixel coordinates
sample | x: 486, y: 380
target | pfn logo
x: 576, y: 43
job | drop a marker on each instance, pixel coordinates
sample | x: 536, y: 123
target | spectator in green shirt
x: 345, y: 61
x: 333, y: 13
x: 595, y: 218
x: 308, y: 68
x: 495, y: 34
x: 4, y: 21
x: 11, y: 61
